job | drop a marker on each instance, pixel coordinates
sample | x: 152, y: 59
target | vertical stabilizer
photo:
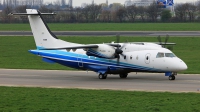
x: 44, y: 38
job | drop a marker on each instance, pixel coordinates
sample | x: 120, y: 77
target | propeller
x: 164, y: 43
x: 118, y: 50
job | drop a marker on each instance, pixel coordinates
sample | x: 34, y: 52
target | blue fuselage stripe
x: 63, y: 57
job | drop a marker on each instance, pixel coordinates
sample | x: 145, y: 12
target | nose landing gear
x: 172, y: 76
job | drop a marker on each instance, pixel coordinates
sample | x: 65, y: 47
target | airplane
x: 107, y: 58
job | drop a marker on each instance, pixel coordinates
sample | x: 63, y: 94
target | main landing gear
x: 172, y: 76
x: 123, y: 75
x: 102, y: 76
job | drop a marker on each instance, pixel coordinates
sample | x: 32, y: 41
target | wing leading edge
x: 73, y: 47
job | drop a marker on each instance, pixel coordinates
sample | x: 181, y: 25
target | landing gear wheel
x: 172, y: 77
x: 102, y: 76
x: 123, y: 75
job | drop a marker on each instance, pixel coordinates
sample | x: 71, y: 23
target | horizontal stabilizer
x: 26, y: 14
x: 32, y: 12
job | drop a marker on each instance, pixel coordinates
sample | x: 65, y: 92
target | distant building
x: 63, y: 3
x: 70, y: 3
x: 115, y: 6
x: 138, y: 2
x: 15, y: 3
x: 104, y: 6
x: 83, y: 5
x: 107, y: 2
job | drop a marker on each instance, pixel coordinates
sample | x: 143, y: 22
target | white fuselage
x: 145, y: 55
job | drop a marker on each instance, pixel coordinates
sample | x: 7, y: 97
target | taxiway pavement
x: 89, y: 80
x: 107, y: 33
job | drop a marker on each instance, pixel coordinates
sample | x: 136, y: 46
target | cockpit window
x: 170, y: 55
x: 160, y: 55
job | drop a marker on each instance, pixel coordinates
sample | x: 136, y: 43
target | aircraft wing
x: 162, y: 43
x: 73, y: 47
x: 114, y: 44
x: 166, y: 43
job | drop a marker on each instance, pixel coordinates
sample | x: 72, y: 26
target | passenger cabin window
x: 124, y: 57
x: 171, y: 55
x: 160, y: 55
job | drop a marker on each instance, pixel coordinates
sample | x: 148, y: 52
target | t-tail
x: 43, y: 37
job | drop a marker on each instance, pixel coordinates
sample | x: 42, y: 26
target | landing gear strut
x: 102, y: 76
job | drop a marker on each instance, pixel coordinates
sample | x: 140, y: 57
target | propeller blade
x: 118, y: 57
x: 123, y: 55
x: 167, y: 38
x: 159, y: 39
x: 124, y: 45
x: 118, y: 37
x: 117, y: 61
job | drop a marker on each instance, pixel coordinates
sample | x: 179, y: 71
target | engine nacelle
x: 103, y: 51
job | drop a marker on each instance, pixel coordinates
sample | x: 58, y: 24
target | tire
x: 123, y: 75
x: 102, y: 76
x: 172, y: 77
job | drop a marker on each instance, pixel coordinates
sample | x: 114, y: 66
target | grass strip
x: 108, y: 27
x: 18, y: 99
x: 14, y: 51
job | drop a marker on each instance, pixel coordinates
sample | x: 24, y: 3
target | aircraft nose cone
x: 183, y: 66
x: 177, y: 65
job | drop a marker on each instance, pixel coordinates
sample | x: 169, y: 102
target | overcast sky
x: 79, y: 2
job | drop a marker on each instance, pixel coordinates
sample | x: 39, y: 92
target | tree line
x: 101, y: 13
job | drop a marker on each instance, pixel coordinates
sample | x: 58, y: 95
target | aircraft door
x: 147, y: 58
x: 80, y: 62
